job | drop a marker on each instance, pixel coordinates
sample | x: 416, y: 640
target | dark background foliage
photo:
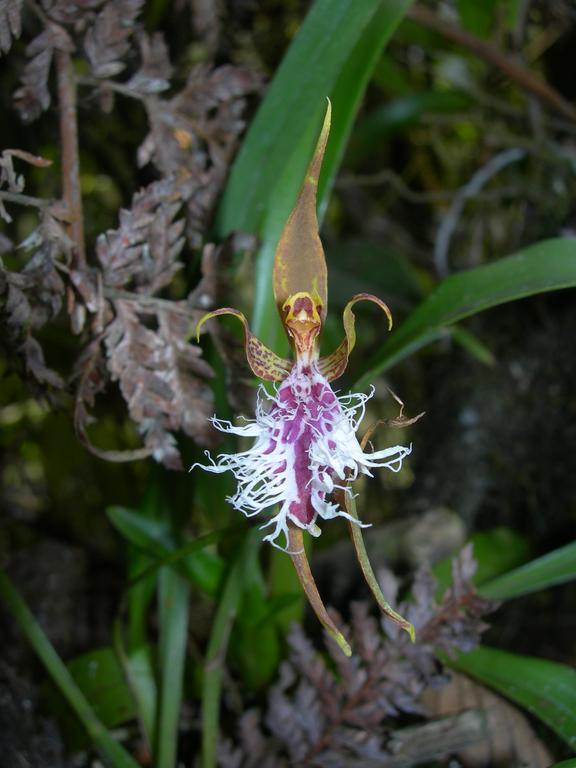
x: 109, y: 258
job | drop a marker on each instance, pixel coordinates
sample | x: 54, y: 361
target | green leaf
x: 152, y: 536
x: 271, y: 164
x: 477, y: 17
x: 565, y: 764
x: 402, y: 113
x: 173, y: 595
x: 139, y: 671
x: 204, y: 569
x: 99, y: 676
x: 218, y: 645
x: 557, y: 567
x: 545, y: 688
x: 252, y: 630
x: 472, y: 344
x: 546, y: 266
x: 111, y: 752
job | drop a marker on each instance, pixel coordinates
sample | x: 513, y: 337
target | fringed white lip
x: 305, y: 442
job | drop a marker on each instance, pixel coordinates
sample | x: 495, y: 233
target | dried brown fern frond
x: 331, y: 710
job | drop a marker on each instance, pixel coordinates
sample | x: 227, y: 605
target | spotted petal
x: 332, y: 366
x: 264, y: 363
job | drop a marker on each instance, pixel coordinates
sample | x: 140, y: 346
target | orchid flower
x: 305, y: 452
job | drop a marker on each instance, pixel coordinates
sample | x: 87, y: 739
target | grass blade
x: 554, y: 568
x: 110, y: 751
x: 173, y: 596
x: 546, y: 266
x: 545, y: 688
x: 218, y: 644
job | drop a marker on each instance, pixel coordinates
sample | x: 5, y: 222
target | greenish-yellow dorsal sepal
x: 264, y: 363
x: 299, y: 263
x: 332, y: 366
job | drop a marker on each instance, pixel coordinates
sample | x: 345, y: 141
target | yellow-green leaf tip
x: 340, y: 640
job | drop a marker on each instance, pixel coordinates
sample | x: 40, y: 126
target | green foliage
x: 542, y: 267
x: 173, y: 598
x: 557, y: 567
x: 110, y: 751
x: 477, y: 17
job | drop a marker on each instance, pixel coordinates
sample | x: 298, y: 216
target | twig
x: 471, y: 189
x: 34, y: 202
x: 70, y: 154
x: 110, y: 85
x: 387, y: 176
x: 153, y: 303
x: 509, y: 66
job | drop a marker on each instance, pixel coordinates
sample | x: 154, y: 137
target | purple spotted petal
x: 305, y: 446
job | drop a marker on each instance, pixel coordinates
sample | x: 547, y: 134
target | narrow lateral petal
x: 308, y: 584
x: 332, y: 366
x: 264, y: 363
x: 299, y: 263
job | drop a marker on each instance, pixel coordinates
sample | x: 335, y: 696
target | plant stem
x: 493, y: 55
x: 70, y: 154
x: 34, y: 202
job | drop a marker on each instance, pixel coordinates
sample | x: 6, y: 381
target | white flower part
x: 305, y: 443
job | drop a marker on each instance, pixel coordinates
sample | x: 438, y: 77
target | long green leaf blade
x: 546, y: 266
x: 554, y: 568
x: 218, y: 645
x: 337, y: 47
x: 294, y: 102
x: 173, y: 599
x: 545, y: 688
x: 111, y: 752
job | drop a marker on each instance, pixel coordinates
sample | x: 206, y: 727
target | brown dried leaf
x: 92, y: 375
x: 13, y: 181
x: 10, y: 23
x: 337, y: 713
x: 36, y: 365
x: 144, y: 249
x: 33, y: 296
x: 35, y: 293
x: 210, y: 293
x: 207, y: 20
x: 155, y: 70
x: 107, y: 41
x: 79, y: 13
x: 33, y: 97
x: 162, y: 379
x: 195, y: 133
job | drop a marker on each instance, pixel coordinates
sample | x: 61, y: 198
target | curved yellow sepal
x: 332, y: 366
x: 264, y: 363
